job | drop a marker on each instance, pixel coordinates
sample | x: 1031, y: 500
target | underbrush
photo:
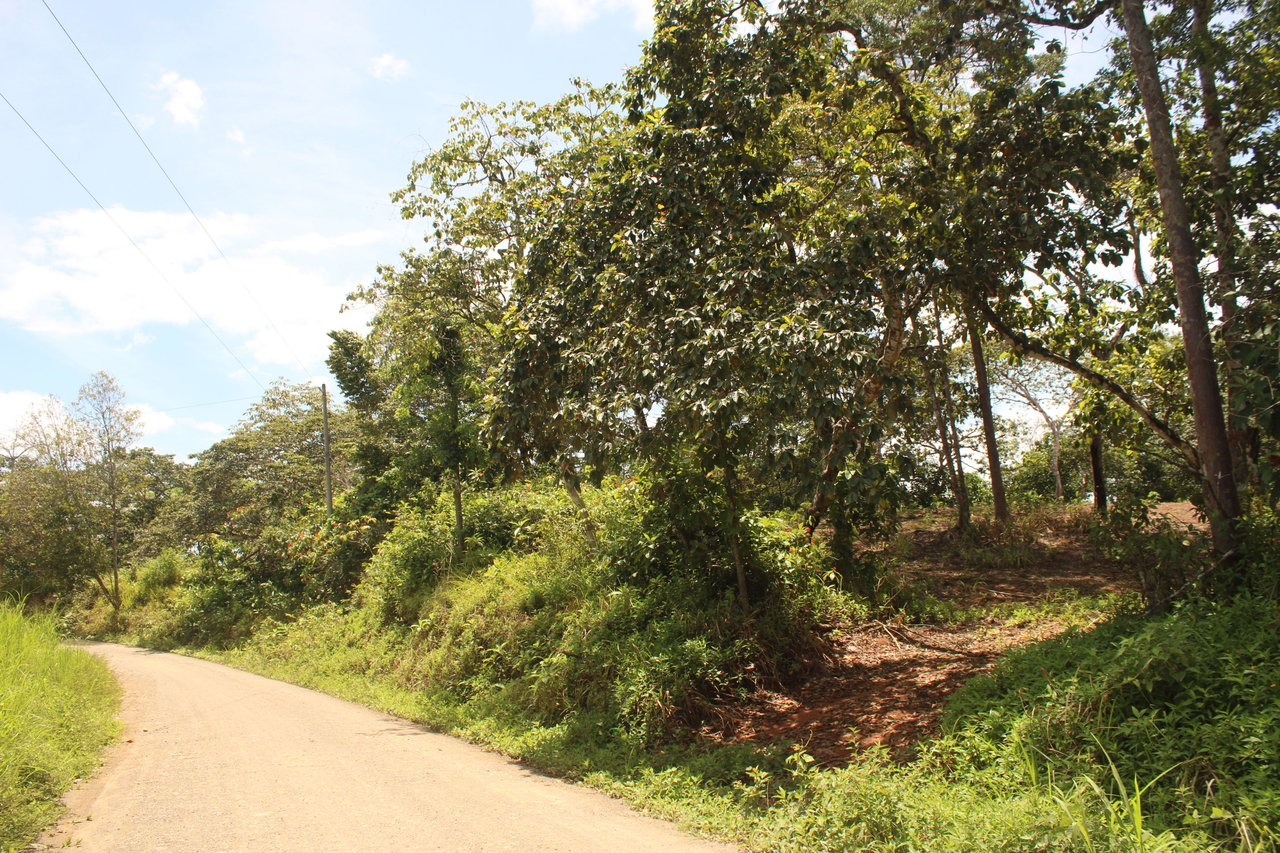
x: 57, y: 712
x: 767, y: 798
x: 1184, y: 708
x: 597, y: 660
x: 555, y: 656
x: 560, y: 632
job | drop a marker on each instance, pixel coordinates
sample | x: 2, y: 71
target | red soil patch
x: 1181, y: 514
x: 884, y: 684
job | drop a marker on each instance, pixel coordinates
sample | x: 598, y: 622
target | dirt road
x: 214, y: 759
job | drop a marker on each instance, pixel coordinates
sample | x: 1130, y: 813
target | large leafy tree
x: 48, y: 543
x: 744, y: 266
x: 443, y: 312
x: 271, y: 468
x: 109, y: 428
x: 76, y: 496
x: 1183, y: 55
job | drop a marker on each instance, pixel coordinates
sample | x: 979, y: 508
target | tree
x: 1044, y: 389
x: 1000, y: 504
x: 1205, y: 28
x: 1206, y: 398
x: 153, y: 513
x: 47, y: 542
x: 271, y: 467
x: 436, y: 335
x: 110, y: 429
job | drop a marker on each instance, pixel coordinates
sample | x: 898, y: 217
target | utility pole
x: 328, y: 454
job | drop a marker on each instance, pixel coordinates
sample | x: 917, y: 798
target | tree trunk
x: 572, y: 488
x: 1055, y: 432
x: 114, y: 505
x: 455, y: 450
x: 735, y: 545
x: 1218, y: 476
x: 642, y: 422
x: 964, y: 511
x: 459, y: 531
x: 988, y: 424
x: 836, y: 430
x: 1099, y: 476
x: 1224, y: 227
x: 945, y: 455
x: 964, y: 508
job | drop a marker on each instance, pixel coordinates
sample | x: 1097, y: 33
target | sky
x: 285, y: 125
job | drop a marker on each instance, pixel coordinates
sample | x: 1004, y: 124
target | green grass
x: 597, y: 664
x: 763, y: 798
x: 57, y: 713
x: 1180, y: 713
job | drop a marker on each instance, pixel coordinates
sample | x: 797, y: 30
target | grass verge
x: 57, y: 712
x: 763, y: 798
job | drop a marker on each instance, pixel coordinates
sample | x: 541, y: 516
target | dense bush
x: 418, y: 552
x: 154, y: 577
x: 1187, y: 703
x: 1031, y: 480
x: 57, y: 708
x: 561, y: 632
x: 225, y: 598
x: 1262, y: 551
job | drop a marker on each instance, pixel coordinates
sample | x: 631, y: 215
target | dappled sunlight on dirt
x: 883, y: 683
x: 884, y: 687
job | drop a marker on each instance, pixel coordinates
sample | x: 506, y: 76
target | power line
x: 244, y: 285
x: 133, y: 243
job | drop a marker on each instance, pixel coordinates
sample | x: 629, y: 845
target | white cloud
x: 156, y: 421
x: 74, y: 274
x: 236, y: 136
x: 314, y: 243
x: 205, y: 426
x: 14, y: 408
x: 572, y: 15
x: 137, y: 340
x: 388, y: 67
x: 186, y: 98
x: 152, y: 420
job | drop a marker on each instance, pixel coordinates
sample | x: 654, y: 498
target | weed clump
x: 1186, y: 703
x: 57, y: 709
x: 533, y: 621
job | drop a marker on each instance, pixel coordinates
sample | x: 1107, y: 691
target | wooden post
x: 328, y: 454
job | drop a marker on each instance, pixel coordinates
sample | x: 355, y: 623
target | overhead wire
x: 134, y: 243
x: 236, y: 273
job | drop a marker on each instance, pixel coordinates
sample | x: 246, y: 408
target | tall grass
x: 598, y: 662
x: 57, y: 712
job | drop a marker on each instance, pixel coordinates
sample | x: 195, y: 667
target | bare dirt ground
x: 214, y: 759
x: 884, y: 683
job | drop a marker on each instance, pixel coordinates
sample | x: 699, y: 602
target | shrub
x: 1187, y: 702
x: 159, y: 575
x: 57, y: 708
x: 633, y: 635
x: 226, y: 598
x: 418, y: 552
x: 1261, y: 529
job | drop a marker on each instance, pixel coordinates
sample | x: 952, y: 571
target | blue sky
x: 285, y: 124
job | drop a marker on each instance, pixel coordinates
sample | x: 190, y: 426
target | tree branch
x: 1097, y: 11
x: 1027, y: 346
